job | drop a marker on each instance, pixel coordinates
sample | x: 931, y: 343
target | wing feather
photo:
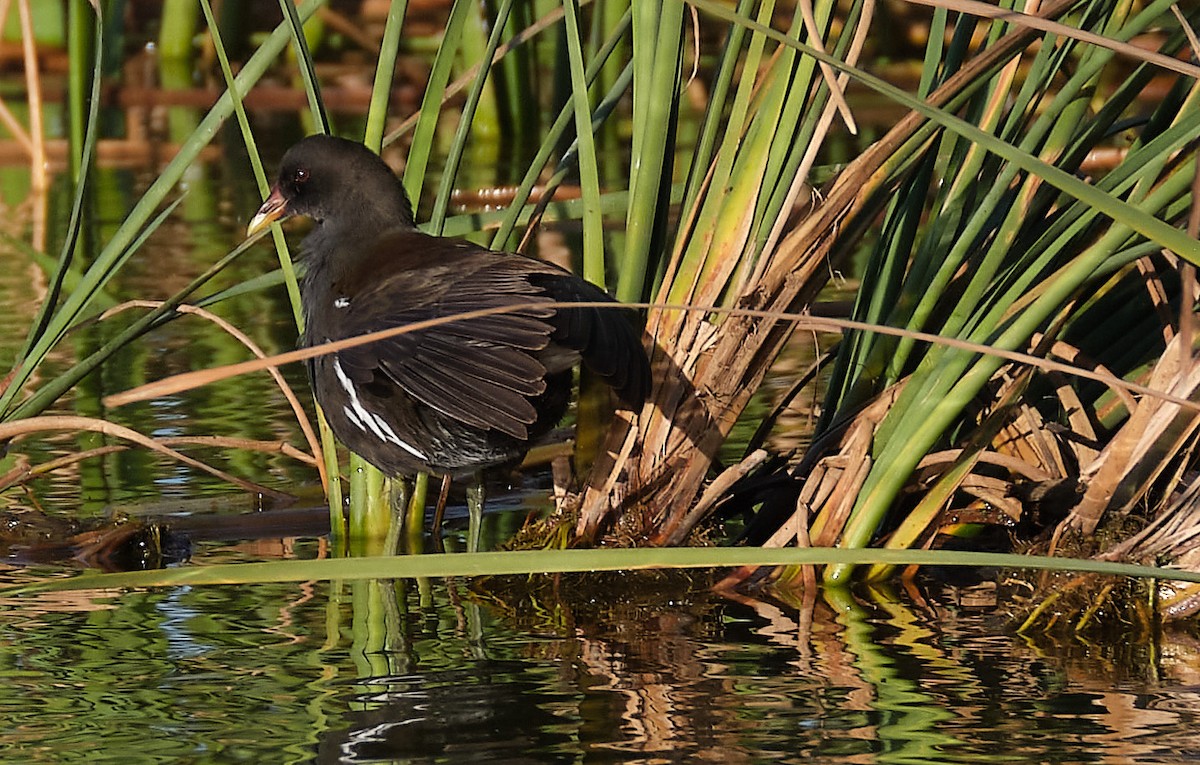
x: 484, y: 371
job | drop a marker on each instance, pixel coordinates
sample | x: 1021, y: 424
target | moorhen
x: 459, y: 397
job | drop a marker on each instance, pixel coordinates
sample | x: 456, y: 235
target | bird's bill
x: 273, y: 208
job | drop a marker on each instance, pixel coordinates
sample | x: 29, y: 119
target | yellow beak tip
x: 274, y: 207
x: 258, y: 223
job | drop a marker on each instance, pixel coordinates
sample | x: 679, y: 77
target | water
x: 629, y: 668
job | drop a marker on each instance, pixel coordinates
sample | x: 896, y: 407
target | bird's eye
x: 300, y: 176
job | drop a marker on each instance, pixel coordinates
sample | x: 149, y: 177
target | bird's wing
x: 606, y: 337
x: 481, y: 371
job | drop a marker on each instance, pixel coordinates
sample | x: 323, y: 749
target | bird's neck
x: 348, y: 234
x: 361, y: 211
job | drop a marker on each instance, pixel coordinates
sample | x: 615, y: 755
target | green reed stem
x: 441, y: 201
x: 385, y: 70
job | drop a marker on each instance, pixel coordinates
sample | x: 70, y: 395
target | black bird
x: 459, y: 397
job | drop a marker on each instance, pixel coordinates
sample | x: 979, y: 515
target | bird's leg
x: 439, y: 510
x: 474, y: 511
x: 439, y: 513
x: 396, y: 490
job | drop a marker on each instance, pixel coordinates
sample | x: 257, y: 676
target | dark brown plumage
x: 461, y: 396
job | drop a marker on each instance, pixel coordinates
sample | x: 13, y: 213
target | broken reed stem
x: 190, y: 380
x: 11, y: 430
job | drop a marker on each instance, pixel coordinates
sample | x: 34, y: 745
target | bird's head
x: 334, y: 180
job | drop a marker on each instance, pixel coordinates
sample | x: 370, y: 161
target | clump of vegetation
x: 1018, y: 342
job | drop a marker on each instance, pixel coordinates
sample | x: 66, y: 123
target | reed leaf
x: 46, y: 395
x: 589, y: 173
x: 416, y: 167
x: 657, y: 41
x: 441, y: 200
x: 87, y: 147
x: 286, y: 265
x: 385, y: 69
x: 554, y: 135
x: 524, y: 563
x: 312, y: 88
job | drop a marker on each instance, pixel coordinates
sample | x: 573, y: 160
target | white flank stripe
x: 364, y: 420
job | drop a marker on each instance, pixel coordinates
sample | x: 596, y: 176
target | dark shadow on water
x: 493, y: 710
